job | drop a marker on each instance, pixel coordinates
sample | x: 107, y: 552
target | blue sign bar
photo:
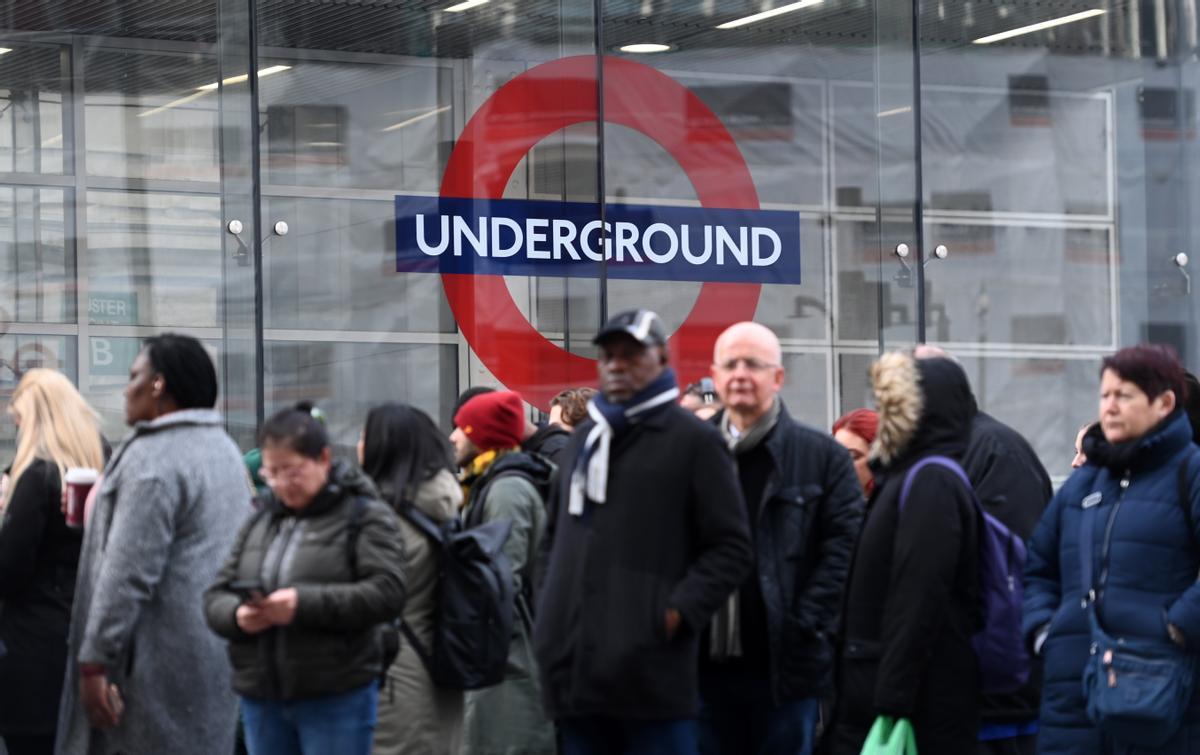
x: 567, y: 239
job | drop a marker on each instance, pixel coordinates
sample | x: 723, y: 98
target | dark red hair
x: 1152, y: 367
x: 862, y: 422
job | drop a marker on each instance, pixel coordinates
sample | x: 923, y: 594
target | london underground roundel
x: 527, y: 109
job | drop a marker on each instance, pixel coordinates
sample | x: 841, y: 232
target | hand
x: 1176, y: 635
x: 101, y: 700
x: 251, y: 620
x: 673, y: 622
x: 279, y: 608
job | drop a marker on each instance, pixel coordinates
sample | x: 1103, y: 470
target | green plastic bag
x: 889, y: 736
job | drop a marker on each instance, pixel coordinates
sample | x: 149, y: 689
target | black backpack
x: 473, y: 622
x: 390, y: 637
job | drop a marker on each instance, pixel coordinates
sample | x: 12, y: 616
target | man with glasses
x: 768, y: 657
x: 646, y: 538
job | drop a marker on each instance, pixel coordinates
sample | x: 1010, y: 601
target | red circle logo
x: 546, y: 99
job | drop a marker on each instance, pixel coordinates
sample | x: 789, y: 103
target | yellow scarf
x: 478, y: 467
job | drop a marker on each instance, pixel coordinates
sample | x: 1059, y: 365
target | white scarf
x: 590, y: 480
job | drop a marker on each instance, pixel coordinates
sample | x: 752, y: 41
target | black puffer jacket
x: 808, y: 522
x: 39, y: 557
x: 912, y: 602
x: 334, y: 643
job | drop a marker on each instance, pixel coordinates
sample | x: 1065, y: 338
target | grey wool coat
x: 172, y: 501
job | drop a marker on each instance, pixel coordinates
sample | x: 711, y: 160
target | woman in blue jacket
x: 1141, y: 466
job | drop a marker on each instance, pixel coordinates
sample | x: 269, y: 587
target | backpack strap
x: 430, y: 529
x: 941, y: 461
x: 423, y: 523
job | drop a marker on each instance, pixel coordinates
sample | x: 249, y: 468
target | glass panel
x: 37, y: 267
x: 154, y: 259
x: 1022, y: 284
x: 32, y: 82
x: 152, y: 114
x: 981, y: 148
x: 336, y: 270
x: 350, y: 123
x: 145, y: 86
x: 854, y: 389
x: 347, y: 379
x: 799, y: 94
x: 372, y: 107
x: 1046, y: 399
x: 1059, y: 163
x: 805, y: 390
x: 20, y: 353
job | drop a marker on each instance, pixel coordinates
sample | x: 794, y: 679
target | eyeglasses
x: 273, y: 476
x: 752, y: 364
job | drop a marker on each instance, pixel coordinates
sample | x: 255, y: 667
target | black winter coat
x: 550, y: 441
x: 1014, y: 487
x: 804, y: 536
x: 912, y: 602
x: 39, y: 557
x: 334, y: 643
x: 672, y: 534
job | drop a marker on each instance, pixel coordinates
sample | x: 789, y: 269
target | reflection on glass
x: 356, y: 125
x: 805, y: 389
x: 1045, y: 399
x: 37, y: 268
x: 153, y: 259
x: 152, y: 114
x: 347, y: 379
x: 32, y: 81
x: 19, y: 354
x: 1021, y: 285
x: 336, y: 270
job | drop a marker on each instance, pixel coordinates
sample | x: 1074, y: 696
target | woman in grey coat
x: 411, y: 462
x: 144, y: 674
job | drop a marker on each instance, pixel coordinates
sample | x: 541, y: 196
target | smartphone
x: 250, y: 590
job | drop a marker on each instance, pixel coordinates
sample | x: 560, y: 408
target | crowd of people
x: 650, y: 571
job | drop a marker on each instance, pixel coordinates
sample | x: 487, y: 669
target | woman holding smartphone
x: 305, y: 595
x: 39, y: 555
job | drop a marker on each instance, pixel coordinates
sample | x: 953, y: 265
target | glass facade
x: 1047, y: 148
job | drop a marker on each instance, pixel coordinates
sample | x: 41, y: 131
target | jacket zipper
x: 270, y: 575
x: 1112, y: 518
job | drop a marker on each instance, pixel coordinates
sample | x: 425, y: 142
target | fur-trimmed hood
x: 925, y: 406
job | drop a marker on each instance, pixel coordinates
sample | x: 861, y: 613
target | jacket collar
x: 199, y: 417
x: 776, y: 445
x: 181, y: 418
x: 346, y: 480
x: 1153, y: 449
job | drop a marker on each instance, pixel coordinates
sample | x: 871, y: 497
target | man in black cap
x: 647, y: 537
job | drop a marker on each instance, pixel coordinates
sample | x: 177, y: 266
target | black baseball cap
x: 642, y: 325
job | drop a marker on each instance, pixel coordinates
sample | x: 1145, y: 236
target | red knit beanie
x: 493, y: 420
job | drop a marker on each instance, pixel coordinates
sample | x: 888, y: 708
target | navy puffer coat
x: 1152, y: 570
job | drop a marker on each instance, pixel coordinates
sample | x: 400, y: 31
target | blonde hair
x: 56, y: 425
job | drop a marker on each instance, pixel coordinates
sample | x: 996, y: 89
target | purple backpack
x: 1003, y: 660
